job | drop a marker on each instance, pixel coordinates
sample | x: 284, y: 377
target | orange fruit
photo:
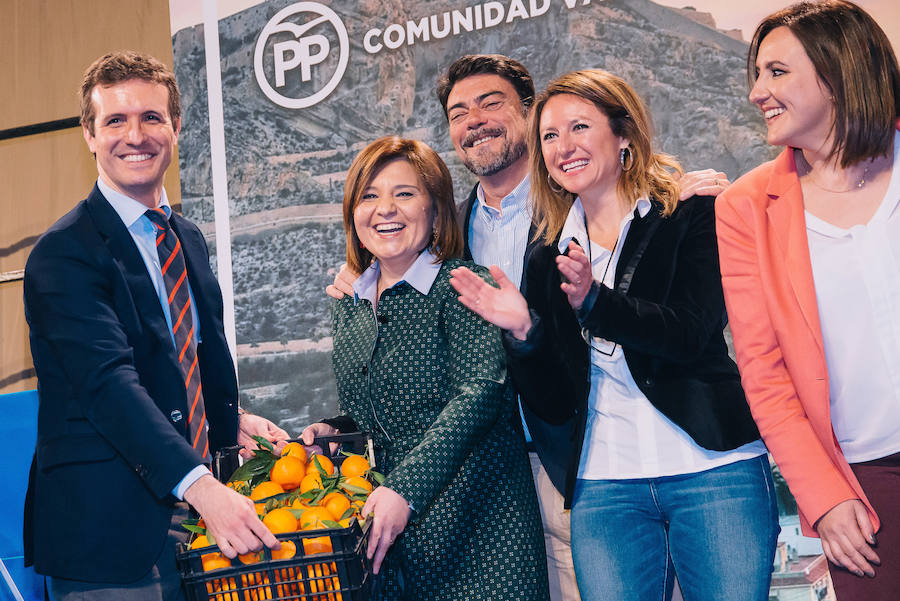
x: 312, y: 518
x: 323, y: 461
x: 222, y: 586
x: 288, y: 549
x: 200, y: 542
x: 319, y: 544
x: 280, y: 520
x: 291, y: 589
x: 252, y: 589
x: 266, y: 489
x: 345, y: 523
x: 215, y: 561
x: 357, y: 506
x: 288, y: 472
x: 248, y: 558
x: 241, y: 486
x: 359, y: 482
x: 294, y: 449
x: 311, y: 480
x: 337, y: 503
x: 301, y: 504
x: 354, y: 465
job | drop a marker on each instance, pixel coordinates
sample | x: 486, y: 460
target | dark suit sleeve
x: 95, y: 396
x: 678, y: 329
x: 540, y: 364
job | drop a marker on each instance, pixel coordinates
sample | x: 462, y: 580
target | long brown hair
x: 649, y: 173
x: 448, y: 241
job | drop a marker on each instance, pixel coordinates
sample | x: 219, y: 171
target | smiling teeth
x: 773, y: 113
x: 388, y: 228
x: 133, y: 158
x: 480, y: 141
x: 574, y: 165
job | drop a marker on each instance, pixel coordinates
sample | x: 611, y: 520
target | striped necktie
x: 174, y: 272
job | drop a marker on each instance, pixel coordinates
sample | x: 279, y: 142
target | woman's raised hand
x: 576, y: 270
x: 504, y: 307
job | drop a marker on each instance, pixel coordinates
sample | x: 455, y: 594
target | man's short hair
x: 491, y: 64
x: 118, y: 67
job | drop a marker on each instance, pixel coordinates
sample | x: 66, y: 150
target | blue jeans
x: 717, y: 529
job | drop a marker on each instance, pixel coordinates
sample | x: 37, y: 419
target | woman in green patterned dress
x: 457, y: 516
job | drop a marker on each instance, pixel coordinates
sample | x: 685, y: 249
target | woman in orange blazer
x: 798, y: 239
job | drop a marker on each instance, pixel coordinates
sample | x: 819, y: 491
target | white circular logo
x: 294, y: 56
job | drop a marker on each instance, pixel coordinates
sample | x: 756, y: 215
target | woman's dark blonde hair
x: 649, y: 173
x: 447, y: 241
x: 854, y: 59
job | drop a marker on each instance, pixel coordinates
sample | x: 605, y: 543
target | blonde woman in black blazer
x: 621, y: 325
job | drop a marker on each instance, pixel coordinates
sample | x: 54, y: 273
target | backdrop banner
x: 306, y: 85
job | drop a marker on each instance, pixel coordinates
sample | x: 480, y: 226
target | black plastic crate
x: 341, y: 575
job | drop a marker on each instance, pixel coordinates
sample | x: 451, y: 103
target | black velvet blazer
x: 667, y: 312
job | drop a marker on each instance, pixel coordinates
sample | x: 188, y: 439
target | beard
x: 487, y: 164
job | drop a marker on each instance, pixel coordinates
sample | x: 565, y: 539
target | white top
x: 420, y: 275
x: 857, y: 277
x: 626, y: 437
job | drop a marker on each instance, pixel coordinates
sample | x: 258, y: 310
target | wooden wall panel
x: 47, y: 45
x: 16, y: 370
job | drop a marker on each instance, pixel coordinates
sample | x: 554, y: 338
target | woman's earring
x: 625, y: 158
x: 556, y: 188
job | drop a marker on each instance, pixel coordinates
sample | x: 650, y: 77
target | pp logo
x: 295, y: 55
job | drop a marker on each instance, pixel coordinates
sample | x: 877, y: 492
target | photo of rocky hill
x: 286, y: 167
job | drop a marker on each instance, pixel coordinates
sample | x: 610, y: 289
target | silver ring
x: 717, y: 182
x: 578, y: 282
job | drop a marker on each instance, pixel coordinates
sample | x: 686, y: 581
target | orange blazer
x: 771, y: 301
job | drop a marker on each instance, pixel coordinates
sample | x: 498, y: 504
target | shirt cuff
x: 533, y: 337
x: 588, y: 304
x: 192, y: 476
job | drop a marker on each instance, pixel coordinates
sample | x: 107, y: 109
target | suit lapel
x: 465, y: 214
x: 636, y: 240
x: 125, y: 253
x: 788, y: 224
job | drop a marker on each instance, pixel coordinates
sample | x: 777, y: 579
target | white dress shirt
x: 857, y: 277
x: 501, y: 237
x: 626, y: 437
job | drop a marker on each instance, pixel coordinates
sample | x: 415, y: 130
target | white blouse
x: 857, y: 277
x: 626, y: 437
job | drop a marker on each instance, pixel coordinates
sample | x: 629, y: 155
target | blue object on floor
x: 18, y: 431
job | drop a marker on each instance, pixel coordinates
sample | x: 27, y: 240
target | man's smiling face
x: 134, y: 137
x: 487, y: 123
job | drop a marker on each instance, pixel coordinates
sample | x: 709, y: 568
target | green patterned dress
x: 427, y: 378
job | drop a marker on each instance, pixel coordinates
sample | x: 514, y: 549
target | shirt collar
x: 517, y: 199
x: 420, y: 275
x: 574, y: 227
x: 128, y: 209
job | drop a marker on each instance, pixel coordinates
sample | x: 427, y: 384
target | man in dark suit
x: 136, y: 383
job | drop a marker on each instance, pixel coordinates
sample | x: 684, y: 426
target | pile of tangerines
x: 292, y: 492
